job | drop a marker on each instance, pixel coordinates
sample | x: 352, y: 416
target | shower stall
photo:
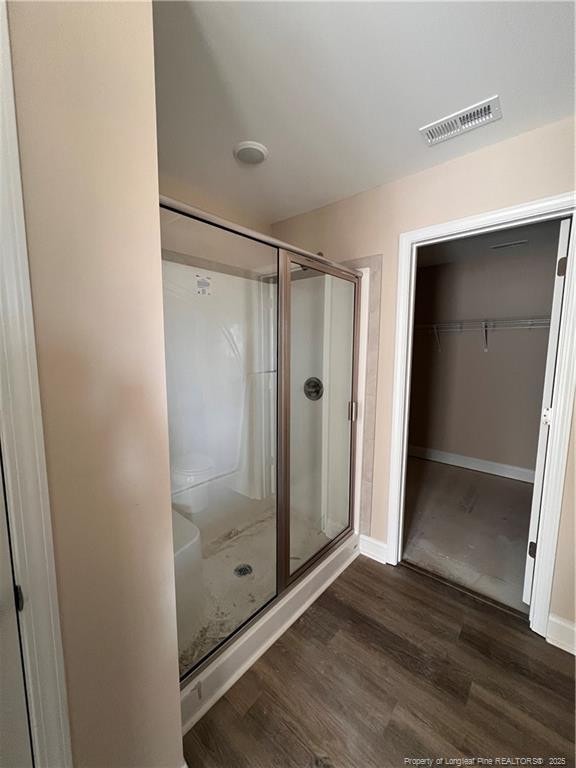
x: 261, y: 369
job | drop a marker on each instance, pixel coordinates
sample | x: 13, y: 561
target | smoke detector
x: 468, y: 119
x: 250, y: 152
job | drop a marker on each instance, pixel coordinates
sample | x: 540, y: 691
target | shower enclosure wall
x: 261, y: 364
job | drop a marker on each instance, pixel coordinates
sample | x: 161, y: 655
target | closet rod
x: 480, y: 325
x: 483, y: 326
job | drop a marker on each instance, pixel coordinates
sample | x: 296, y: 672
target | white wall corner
x: 374, y: 549
x: 561, y: 633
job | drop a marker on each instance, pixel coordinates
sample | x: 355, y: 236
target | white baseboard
x: 469, y: 462
x: 374, y: 549
x: 204, y: 690
x: 561, y: 633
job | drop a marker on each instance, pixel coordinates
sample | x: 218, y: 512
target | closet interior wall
x: 464, y: 400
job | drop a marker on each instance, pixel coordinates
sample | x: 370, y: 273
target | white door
x: 15, y: 749
x: 547, y: 406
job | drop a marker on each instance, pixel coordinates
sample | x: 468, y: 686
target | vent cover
x: 477, y: 115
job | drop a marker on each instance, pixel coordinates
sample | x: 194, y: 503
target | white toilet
x: 190, y: 486
x: 189, y: 581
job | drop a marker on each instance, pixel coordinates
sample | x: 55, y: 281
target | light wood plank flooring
x: 387, y: 665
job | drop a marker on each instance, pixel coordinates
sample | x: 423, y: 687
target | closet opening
x: 484, y: 343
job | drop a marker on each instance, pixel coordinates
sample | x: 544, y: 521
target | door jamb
x: 556, y: 207
x: 22, y: 439
x: 541, y: 465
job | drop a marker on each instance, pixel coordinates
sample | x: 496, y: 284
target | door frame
x: 547, y: 403
x: 22, y: 440
x: 557, y: 207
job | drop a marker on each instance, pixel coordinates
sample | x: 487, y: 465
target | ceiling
x: 338, y: 90
x: 540, y: 238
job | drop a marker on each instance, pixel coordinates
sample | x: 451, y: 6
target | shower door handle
x: 352, y: 410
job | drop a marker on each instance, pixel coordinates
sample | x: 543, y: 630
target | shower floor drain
x: 243, y: 569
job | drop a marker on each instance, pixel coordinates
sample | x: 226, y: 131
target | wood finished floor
x: 386, y: 665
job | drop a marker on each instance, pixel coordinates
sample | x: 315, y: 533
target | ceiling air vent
x: 484, y: 112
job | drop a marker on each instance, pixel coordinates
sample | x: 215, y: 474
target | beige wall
x: 464, y: 400
x: 185, y: 193
x: 84, y: 87
x: 533, y: 165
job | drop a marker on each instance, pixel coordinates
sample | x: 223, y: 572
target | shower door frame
x: 286, y: 255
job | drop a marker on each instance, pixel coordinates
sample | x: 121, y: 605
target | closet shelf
x: 483, y: 326
x: 491, y: 325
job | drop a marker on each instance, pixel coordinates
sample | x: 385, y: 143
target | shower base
x: 230, y: 598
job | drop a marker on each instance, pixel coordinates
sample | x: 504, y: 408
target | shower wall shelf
x: 483, y: 326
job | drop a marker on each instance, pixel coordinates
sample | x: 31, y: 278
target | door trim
x: 542, y: 459
x: 558, y: 207
x: 22, y: 439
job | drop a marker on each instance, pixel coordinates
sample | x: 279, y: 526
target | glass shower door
x: 220, y: 319
x: 321, y: 395
x: 261, y: 365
